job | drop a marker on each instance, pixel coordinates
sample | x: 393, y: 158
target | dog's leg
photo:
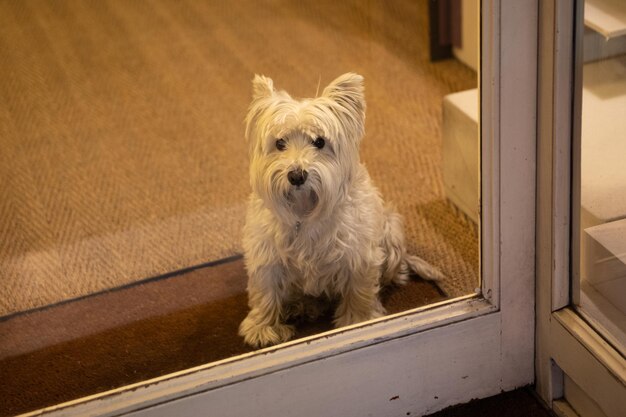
x: 359, y: 298
x: 266, y: 295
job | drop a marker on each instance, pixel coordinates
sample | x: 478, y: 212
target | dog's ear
x: 347, y: 91
x: 347, y: 94
x: 262, y: 87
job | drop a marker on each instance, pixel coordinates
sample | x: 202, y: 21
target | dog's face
x: 304, y: 153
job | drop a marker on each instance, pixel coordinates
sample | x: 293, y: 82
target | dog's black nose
x: 297, y: 176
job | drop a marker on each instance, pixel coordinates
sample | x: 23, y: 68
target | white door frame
x: 567, y: 347
x: 414, y: 362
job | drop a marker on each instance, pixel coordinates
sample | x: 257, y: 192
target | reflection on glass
x: 602, y: 297
x: 123, y: 165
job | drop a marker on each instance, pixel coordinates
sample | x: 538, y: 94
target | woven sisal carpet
x: 121, y: 137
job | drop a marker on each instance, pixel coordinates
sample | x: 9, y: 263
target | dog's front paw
x: 261, y: 335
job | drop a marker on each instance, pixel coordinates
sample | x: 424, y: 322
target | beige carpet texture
x: 122, y: 154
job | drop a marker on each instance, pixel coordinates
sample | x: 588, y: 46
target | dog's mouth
x: 302, y: 200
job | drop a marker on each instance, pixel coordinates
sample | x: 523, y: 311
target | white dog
x: 315, y: 226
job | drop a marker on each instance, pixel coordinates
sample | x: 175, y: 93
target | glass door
x: 581, y: 367
x: 125, y: 175
x: 599, y: 291
x: 412, y: 361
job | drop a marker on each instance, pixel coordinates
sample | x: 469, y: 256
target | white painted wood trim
x: 266, y: 361
x: 301, y: 355
x: 580, y: 401
x: 597, y: 368
x: 563, y: 80
x: 489, y: 127
x: 576, y: 157
x: 593, y: 343
x: 562, y: 409
x: 553, y: 193
x: 517, y: 196
x: 360, y: 384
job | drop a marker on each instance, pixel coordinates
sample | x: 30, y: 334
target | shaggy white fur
x: 315, y: 226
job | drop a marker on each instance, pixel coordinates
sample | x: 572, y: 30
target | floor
x: 519, y: 403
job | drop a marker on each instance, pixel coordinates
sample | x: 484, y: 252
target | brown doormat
x: 120, y: 337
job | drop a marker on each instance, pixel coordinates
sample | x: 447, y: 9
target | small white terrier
x: 315, y: 226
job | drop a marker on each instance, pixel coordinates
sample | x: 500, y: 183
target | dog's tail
x: 423, y: 268
x: 399, y: 264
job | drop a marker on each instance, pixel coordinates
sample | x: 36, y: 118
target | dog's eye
x: 281, y: 145
x: 319, y: 142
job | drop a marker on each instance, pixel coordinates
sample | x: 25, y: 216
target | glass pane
x: 125, y: 178
x: 602, y: 297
